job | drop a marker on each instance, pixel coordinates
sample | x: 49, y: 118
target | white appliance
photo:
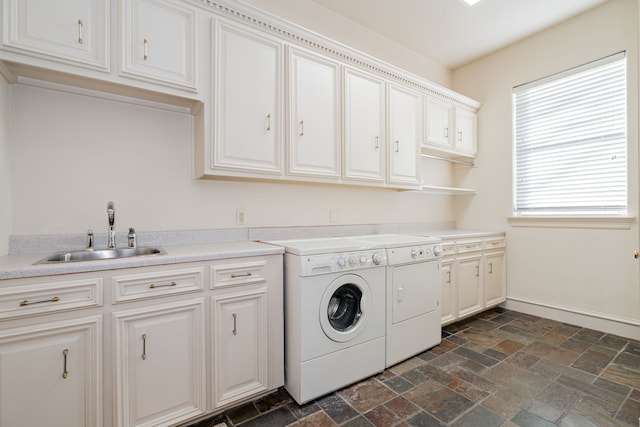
x: 334, y: 314
x: 413, y: 319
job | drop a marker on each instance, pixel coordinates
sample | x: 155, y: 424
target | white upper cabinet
x: 437, y: 123
x: 449, y: 129
x: 159, y: 42
x: 247, y: 96
x: 404, y: 135
x: 75, y: 31
x: 465, y: 137
x: 314, y: 127
x: 364, y: 127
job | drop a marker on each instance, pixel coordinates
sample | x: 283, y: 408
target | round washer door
x: 344, y: 308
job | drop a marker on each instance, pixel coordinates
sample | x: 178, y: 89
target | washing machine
x: 413, y: 316
x: 334, y: 307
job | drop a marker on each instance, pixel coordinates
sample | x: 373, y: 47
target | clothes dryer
x: 334, y: 314
x: 413, y: 279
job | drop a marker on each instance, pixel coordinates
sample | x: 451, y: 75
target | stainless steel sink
x: 84, y: 255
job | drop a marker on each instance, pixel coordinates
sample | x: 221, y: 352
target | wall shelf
x: 448, y: 191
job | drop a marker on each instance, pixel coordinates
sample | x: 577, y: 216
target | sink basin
x: 82, y: 255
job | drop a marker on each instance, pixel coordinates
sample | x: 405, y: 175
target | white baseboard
x: 628, y: 328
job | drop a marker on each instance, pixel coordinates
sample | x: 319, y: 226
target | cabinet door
x: 437, y: 123
x: 73, y: 30
x: 248, y: 102
x: 469, y: 281
x: 364, y: 133
x: 159, y: 42
x: 52, y: 374
x: 465, y: 138
x: 239, y: 325
x: 314, y: 131
x: 448, y: 300
x: 404, y: 135
x: 160, y: 364
x: 495, y: 286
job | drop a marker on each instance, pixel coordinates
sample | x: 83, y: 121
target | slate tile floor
x: 500, y: 368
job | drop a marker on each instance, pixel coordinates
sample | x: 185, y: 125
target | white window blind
x: 570, y: 142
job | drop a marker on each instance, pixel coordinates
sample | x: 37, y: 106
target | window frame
x: 573, y: 218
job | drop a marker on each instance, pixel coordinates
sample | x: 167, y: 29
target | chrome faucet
x: 111, y: 213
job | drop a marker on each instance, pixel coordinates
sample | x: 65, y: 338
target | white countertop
x: 18, y: 266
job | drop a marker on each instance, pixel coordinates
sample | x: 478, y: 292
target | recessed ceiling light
x: 471, y: 2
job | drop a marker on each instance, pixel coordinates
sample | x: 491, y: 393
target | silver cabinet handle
x: 236, y: 275
x: 80, y: 24
x: 490, y: 268
x: 65, y: 373
x: 397, y: 145
x: 235, y: 324
x: 268, y: 122
x: 27, y: 302
x: 154, y: 286
x: 301, y: 128
x: 459, y: 135
x: 377, y: 142
x: 477, y: 270
x: 446, y: 132
x: 146, y: 48
x: 448, y: 276
x: 144, y: 346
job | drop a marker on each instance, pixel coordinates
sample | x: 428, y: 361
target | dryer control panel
x: 339, y: 262
x: 411, y: 254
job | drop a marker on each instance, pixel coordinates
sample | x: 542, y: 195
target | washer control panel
x: 411, y: 254
x: 345, y: 261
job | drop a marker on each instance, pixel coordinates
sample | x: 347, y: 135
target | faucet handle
x: 89, y: 240
x: 111, y: 213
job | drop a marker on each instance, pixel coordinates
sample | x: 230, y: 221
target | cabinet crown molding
x: 302, y: 37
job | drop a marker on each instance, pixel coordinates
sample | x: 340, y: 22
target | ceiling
x: 452, y: 33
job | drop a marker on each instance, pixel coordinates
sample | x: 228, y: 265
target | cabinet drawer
x: 494, y: 242
x: 157, y: 283
x: 238, y: 273
x: 463, y: 246
x: 48, y: 297
x: 448, y: 248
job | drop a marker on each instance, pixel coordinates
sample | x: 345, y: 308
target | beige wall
x: 5, y: 170
x: 592, y: 272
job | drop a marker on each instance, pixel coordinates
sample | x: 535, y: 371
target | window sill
x: 609, y: 222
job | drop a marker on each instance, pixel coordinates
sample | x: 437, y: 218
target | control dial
x: 376, y: 258
x: 414, y: 254
x: 437, y: 250
x: 342, y: 262
x: 352, y: 261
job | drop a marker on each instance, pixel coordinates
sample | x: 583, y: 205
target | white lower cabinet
x: 473, y: 276
x: 239, y: 325
x: 495, y: 284
x: 160, y: 363
x: 448, y: 298
x: 469, y: 285
x: 51, y: 374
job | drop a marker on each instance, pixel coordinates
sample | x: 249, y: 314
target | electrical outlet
x: 241, y: 217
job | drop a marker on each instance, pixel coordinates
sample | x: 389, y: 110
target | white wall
x: 71, y: 154
x: 591, y: 272
x: 5, y: 170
